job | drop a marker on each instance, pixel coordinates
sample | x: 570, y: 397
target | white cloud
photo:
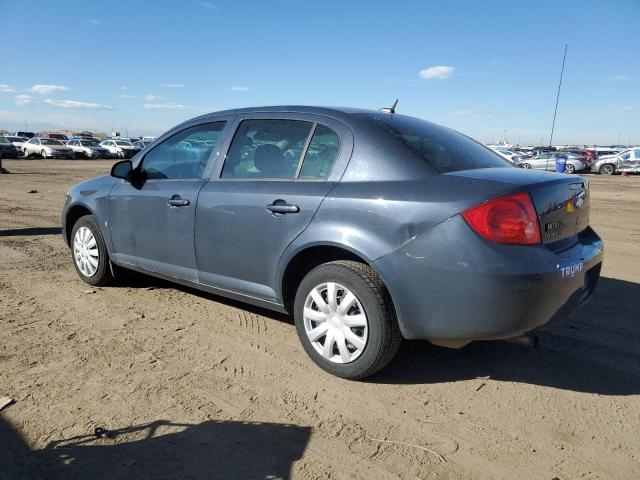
x: 173, y: 85
x: 165, y: 106
x: 238, y: 88
x: 6, y: 88
x: 207, y: 5
x: 47, y: 89
x: 440, y: 72
x: 619, y: 77
x: 94, y: 21
x: 22, y: 100
x: 151, y: 98
x: 123, y: 88
x: 124, y: 95
x: 76, y: 105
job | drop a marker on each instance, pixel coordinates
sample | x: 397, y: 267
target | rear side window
x: 443, y: 149
x: 183, y: 155
x: 321, y: 154
x: 267, y: 149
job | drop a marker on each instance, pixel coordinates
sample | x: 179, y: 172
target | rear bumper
x: 450, y: 286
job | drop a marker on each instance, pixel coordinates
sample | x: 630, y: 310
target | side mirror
x: 122, y: 169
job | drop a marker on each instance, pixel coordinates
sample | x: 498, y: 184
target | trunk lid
x: 561, y: 201
x: 563, y: 208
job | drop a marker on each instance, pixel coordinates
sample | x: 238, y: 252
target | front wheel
x: 43, y: 154
x: 345, y: 319
x: 569, y: 168
x: 527, y: 166
x: 607, y: 169
x: 89, y: 252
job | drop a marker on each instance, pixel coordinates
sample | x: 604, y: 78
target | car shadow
x: 161, y: 449
x: 596, y: 350
x: 131, y: 279
x: 18, y: 232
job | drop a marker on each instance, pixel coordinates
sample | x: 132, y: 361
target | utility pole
x: 553, y: 125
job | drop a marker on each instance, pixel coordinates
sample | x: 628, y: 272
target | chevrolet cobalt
x: 367, y: 226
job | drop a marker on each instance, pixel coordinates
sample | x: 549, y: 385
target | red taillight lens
x: 510, y: 219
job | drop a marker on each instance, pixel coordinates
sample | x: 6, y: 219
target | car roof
x: 337, y: 112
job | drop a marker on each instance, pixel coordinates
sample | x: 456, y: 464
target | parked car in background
x: 605, y: 151
x: 88, y: 148
x: 7, y: 149
x: 507, y: 154
x: 120, y: 148
x: 367, y: 226
x: 626, y: 161
x: 141, y: 144
x: 18, y: 142
x: 61, y: 137
x: 47, y: 148
x: 547, y: 161
x: 25, y: 134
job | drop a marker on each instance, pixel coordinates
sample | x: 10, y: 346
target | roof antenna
x: 390, y: 110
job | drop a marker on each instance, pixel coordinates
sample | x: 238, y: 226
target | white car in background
x: 46, y: 148
x: 625, y: 161
x: 120, y: 148
x: 507, y: 154
x: 88, y: 148
x: 17, y: 142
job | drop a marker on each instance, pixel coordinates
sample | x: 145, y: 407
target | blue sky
x: 145, y: 66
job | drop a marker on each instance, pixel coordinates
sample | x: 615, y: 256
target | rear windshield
x: 443, y: 149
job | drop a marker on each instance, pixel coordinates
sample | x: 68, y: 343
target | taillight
x: 510, y: 219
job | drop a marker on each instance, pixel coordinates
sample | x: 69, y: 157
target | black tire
x: 607, y: 169
x: 102, y: 276
x: 43, y: 154
x: 568, y: 168
x: 384, y: 335
x: 526, y: 166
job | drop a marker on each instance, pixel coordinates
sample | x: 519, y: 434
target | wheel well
x: 73, y: 215
x: 305, y: 261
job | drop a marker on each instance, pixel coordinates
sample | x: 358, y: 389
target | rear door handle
x: 176, y: 201
x: 279, y: 206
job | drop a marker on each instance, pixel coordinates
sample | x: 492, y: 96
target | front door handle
x: 176, y: 201
x: 280, y: 206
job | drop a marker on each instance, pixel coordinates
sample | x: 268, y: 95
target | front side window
x: 266, y: 149
x: 183, y: 155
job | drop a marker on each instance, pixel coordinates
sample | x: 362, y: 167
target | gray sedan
x: 367, y: 226
x: 547, y: 161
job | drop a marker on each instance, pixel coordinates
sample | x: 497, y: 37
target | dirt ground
x: 189, y: 385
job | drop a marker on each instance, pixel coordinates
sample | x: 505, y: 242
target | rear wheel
x: 43, y: 154
x: 527, y: 166
x: 345, y: 319
x: 607, y: 169
x: 569, y: 168
x: 89, y: 252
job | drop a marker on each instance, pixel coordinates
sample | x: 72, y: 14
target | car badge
x: 570, y: 206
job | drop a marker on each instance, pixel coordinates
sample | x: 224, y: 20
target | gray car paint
x: 380, y: 203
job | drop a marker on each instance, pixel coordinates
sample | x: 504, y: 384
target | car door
x: 151, y: 220
x: 276, y: 172
x: 625, y: 159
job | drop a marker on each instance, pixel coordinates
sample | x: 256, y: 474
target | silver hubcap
x: 607, y: 169
x: 85, y: 252
x: 335, y: 323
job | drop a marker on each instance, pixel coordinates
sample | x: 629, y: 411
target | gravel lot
x: 190, y: 385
